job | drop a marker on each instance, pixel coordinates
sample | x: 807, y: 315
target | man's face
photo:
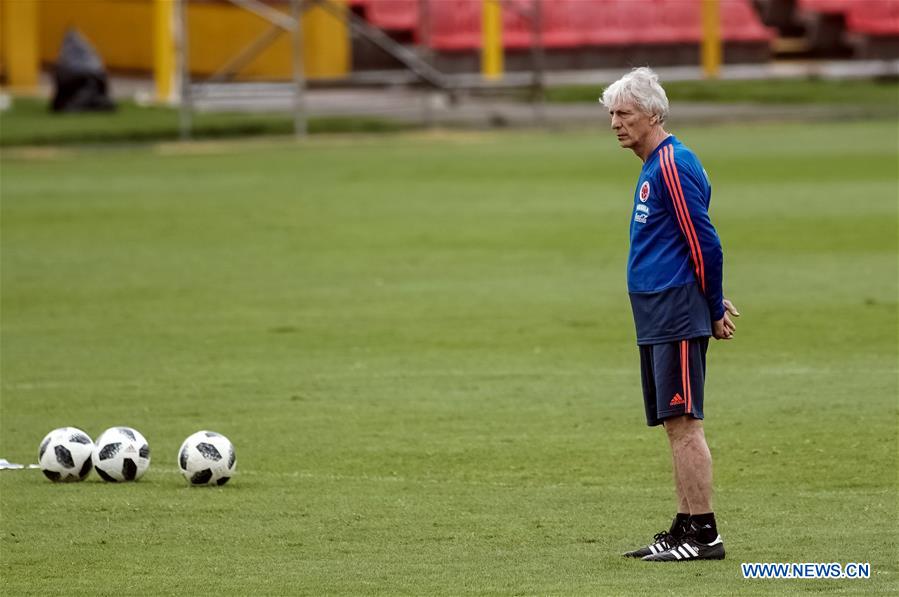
x: 631, y: 125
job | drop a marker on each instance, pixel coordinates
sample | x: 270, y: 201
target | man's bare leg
x: 692, y: 464
x: 693, y: 483
x: 682, y: 505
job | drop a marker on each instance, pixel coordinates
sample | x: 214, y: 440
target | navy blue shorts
x: 673, y: 378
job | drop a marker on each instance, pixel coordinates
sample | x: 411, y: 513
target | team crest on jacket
x: 644, y: 191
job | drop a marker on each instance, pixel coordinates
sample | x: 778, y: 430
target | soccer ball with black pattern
x: 65, y: 455
x: 121, y: 454
x: 207, y: 458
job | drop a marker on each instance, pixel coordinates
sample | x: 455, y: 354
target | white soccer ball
x: 121, y: 454
x: 65, y: 454
x: 207, y: 458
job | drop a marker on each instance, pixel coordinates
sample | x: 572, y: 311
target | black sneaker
x: 690, y: 549
x: 660, y: 543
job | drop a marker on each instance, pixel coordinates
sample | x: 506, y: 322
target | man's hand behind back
x: 724, y: 328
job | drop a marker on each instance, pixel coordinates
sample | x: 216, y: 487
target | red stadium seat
x: 396, y: 15
x: 874, y: 17
x: 739, y: 22
x: 517, y: 25
x: 563, y: 24
x: 605, y: 23
x: 643, y: 22
x: 825, y: 6
x: 680, y: 21
x: 456, y: 24
x: 619, y: 22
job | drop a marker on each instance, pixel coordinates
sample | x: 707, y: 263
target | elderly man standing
x: 674, y: 278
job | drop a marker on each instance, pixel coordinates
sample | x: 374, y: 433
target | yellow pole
x: 492, y: 40
x: 164, y: 75
x: 19, y: 32
x: 711, y: 38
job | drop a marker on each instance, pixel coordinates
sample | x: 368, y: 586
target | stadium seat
x: 456, y: 24
x: 825, y: 6
x: 740, y: 22
x: 563, y: 24
x: 395, y: 15
x: 874, y: 17
x: 680, y: 22
x: 642, y: 21
x: 613, y: 23
x: 623, y: 22
x: 517, y: 25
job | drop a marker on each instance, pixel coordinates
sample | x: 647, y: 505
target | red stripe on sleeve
x: 670, y: 185
x: 678, y: 210
x: 697, y: 253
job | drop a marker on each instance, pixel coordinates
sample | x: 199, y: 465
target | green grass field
x: 29, y: 122
x: 422, y: 348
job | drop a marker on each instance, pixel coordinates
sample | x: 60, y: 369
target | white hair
x: 641, y: 88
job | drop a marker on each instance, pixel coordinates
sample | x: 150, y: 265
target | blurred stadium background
x: 422, y: 62
x: 420, y: 342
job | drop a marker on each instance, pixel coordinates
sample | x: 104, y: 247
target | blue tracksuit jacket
x: 674, y: 269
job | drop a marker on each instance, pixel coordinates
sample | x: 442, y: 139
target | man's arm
x: 687, y: 202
